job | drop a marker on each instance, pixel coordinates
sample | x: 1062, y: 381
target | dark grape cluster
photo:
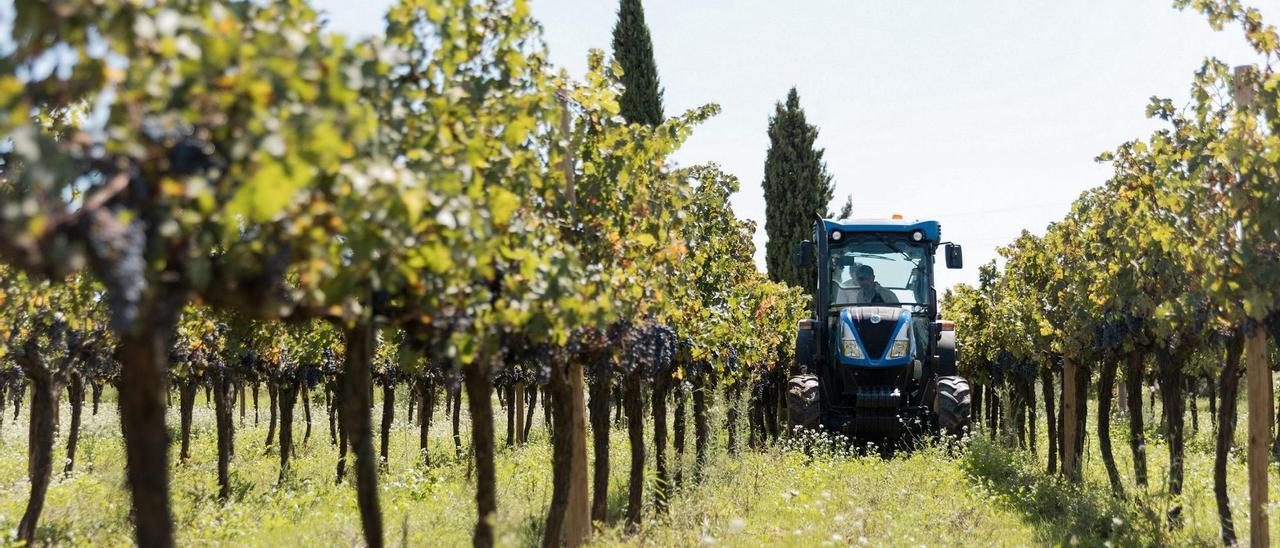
x: 519, y: 365
x: 731, y: 362
x: 649, y: 348
x: 99, y: 365
x: 1118, y: 329
x: 1273, y: 325
x: 1007, y: 366
x: 386, y: 372
x: 13, y: 383
x: 537, y: 360
x: 190, y: 156
x: 328, y: 366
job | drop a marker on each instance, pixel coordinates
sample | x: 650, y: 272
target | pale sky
x: 983, y: 115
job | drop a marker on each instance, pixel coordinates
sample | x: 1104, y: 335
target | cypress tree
x: 796, y: 187
x: 641, y: 101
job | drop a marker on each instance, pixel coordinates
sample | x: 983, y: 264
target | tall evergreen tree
x: 641, y: 102
x: 796, y: 187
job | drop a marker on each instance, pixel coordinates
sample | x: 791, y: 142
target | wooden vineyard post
x: 1070, y: 412
x: 1122, y: 398
x: 577, y: 520
x: 1258, y: 376
x: 519, y: 403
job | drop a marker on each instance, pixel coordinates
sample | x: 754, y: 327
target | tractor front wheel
x: 802, y: 402
x: 951, y: 403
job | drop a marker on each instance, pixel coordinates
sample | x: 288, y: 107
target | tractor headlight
x: 899, y: 349
x: 851, y: 349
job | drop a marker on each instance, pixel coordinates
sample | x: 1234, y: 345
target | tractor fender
x: 946, y: 365
x: 806, y: 345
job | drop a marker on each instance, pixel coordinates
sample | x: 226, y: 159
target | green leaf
x: 437, y: 257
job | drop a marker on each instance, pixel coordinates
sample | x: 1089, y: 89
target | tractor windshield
x: 878, y: 270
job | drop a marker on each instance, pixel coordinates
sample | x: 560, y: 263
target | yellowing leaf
x: 171, y: 188
x: 503, y: 203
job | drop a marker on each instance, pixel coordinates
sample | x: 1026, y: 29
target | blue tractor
x: 877, y: 361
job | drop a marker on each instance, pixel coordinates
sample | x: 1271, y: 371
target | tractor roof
x: 932, y: 230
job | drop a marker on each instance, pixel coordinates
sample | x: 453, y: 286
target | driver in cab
x: 869, y: 291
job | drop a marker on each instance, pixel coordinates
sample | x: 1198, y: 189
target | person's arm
x: 887, y: 296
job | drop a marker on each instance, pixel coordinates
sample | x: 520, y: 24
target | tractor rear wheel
x: 803, y: 407
x: 951, y: 403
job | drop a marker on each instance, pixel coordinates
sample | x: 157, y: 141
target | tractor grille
x: 885, y: 397
x: 875, y: 336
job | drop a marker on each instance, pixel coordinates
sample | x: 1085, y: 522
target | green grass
x: 984, y: 494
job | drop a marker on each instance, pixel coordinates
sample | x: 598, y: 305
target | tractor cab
x: 878, y: 362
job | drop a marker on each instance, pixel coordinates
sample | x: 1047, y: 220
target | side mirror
x: 955, y: 257
x: 804, y: 255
